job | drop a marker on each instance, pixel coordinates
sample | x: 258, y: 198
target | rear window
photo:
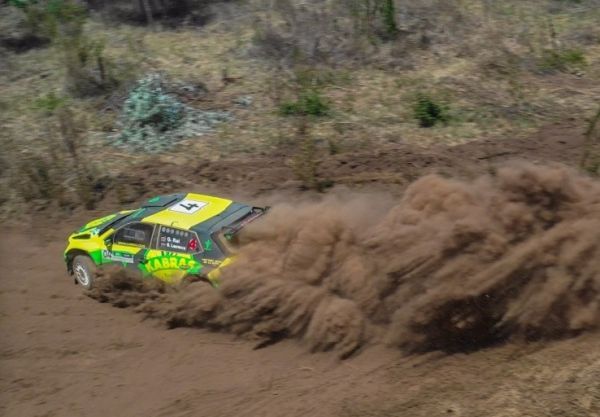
x: 177, y: 240
x: 229, y: 242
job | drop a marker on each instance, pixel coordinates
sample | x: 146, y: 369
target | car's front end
x: 88, y: 240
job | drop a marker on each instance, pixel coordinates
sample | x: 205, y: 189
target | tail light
x: 192, y: 245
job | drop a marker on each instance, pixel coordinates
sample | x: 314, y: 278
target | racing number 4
x: 188, y: 206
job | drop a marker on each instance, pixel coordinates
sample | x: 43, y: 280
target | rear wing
x: 256, y: 212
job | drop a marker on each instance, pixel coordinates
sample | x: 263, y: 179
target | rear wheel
x: 84, y: 271
x: 187, y: 280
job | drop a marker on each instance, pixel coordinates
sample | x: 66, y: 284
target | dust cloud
x: 452, y: 266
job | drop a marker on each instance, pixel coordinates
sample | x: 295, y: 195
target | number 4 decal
x: 187, y: 206
x: 190, y: 206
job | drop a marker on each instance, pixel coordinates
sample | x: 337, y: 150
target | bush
x: 591, y: 147
x: 55, y: 169
x: 49, y: 103
x: 374, y: 17
x: 88, y: 72
x: 562, y: 60
x: 46, y: 18
x: 309, y: 103
x: 62, y: 21
x: 148, y: 104
x: 353, y: 31
x: 388, y: 18
x: 30, y: 32
x: 428, y: 112
x: 152, y: 120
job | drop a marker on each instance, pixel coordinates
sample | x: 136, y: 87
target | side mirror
x: 108, y: 242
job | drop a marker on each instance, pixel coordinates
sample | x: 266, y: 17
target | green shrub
x: 88, y: 72
x: 152, y: 120
x: 62, y: 21
x: 308, y: 103
x: 55, y: 168
x: 374, y: 17
x: 428, y: 112
x: 49, y: 103
x: 47, y: 18
x: 388, y: 17
x: 149, y: 104
x: 21, y: 4
x: 562, y: 60
x: 149, y: 113
x: 591, y: 146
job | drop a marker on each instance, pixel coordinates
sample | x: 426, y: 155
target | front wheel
x: 84, y: 271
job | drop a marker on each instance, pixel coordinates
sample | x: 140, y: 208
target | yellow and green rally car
x: 173, y: 238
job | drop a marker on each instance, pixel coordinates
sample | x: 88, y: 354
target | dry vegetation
x: 313, y: 77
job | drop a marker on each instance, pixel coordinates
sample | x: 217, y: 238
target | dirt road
x: 64, y: 354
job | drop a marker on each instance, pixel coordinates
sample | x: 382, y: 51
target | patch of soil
x: 392, y: 167
x: 24, y: 43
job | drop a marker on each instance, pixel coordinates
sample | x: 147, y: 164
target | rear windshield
x: 228, y: 236
x: 228, y: 241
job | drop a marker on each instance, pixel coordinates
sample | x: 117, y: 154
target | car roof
x: 184, y: 210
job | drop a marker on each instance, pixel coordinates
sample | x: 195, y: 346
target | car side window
x: 177, y: 240
x: 135, y: 234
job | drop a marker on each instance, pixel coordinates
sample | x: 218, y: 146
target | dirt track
x: 64, y: 354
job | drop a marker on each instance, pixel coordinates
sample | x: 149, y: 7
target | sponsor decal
x: 118, y: 256
x: 171, y: 261
x: 214, y: 262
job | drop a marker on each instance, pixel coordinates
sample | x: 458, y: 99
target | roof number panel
x: 188, y: 206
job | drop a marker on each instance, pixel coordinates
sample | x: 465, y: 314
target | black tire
x: 84, y: 271
x: 189, y: 279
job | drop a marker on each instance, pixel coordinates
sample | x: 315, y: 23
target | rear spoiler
x: 236, y: 226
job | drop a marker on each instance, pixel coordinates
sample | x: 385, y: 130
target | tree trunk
x: 145, y: 9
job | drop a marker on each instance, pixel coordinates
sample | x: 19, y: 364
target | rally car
x: 173, y: 238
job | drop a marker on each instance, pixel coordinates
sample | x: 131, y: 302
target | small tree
x: 428, y: 112
x: 375, y: 17
x: 591, y: 150
x: 388, y: 17
x: 62, y: 21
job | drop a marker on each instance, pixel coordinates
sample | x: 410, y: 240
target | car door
x: 129, y: 244
x: 172, y: 255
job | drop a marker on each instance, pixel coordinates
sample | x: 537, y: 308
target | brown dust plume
x: 452, y: 266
